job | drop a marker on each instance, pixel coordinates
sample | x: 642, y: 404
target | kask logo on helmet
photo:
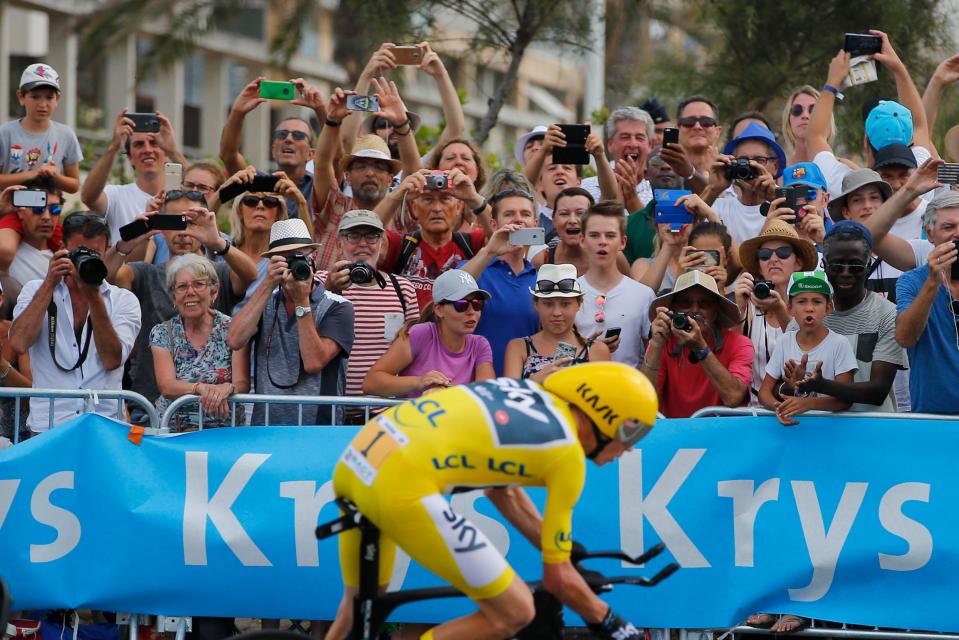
x: 592, y: 399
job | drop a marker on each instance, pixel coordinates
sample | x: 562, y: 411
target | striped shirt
x: 378, y: 315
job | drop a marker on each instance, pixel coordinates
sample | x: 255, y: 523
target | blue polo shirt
x: 934, y: 361
x: 509, y: 312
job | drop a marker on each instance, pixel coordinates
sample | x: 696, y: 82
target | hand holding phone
x: 29, y: 198
x: 565, y: 350
x: 575, y: 150
x: 670, y: 136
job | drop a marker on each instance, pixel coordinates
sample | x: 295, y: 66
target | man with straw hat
x: 696, y: 357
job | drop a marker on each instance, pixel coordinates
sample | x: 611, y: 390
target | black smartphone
x: 262, y: 183
x: 168, y: 222
x: 862, y: 44
x: 955, y: 265
x: 575, y: 150
x: 670, y: 136
x: 144, y: 122
x: 948, y: 173
x: 612, y: 332
x: 134, y: 230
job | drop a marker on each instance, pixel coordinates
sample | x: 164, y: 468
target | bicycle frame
x: 371, y: 608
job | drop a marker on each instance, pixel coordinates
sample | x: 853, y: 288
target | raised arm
x: 947, y: 73
x: 327, y: 143
x: 232, y: 136
x: 906, y: 91
x: 393, y: 109
x: 91, y: 193
x: 166, y: 139
x: 381, y: 60
x: 608, y: 185
x: 817, y: 134
x: 452, y: 109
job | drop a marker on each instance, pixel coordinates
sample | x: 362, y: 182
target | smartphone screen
x: 565, y: 350
x: 29, y: 198
x: 712, y: 259
x: 670, y: 136
x: 948, y: 173
x: 362, y: 103
x: 172, y: 176
x: 862, y: 44
x: 168, y: 222
x: 575, y: 150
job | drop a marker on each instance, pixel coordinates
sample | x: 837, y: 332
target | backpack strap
x: 462, y: 241
x: 410, y: 242
x: 399, y: 292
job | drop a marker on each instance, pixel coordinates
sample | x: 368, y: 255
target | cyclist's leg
x: 499, y: 617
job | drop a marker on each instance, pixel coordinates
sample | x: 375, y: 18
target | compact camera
x: 437, y: 181
x: 762, y: 289
x: 740, y: 170
x: 681, y: 321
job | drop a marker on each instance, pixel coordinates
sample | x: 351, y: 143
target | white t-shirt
x: 921, y: 249
x: 834, y: 171
x: 910, y: 227
x: 30, y: 263
x: 643, y: 189
x: 124, y: 203
x: 627, y: 307
x: 834, y: 352
x: 743, y: 222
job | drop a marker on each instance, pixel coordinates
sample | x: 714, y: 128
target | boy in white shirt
x: 813, y: 345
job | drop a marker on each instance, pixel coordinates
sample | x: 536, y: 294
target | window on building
x: 249, y: 21
x: 192, y: 100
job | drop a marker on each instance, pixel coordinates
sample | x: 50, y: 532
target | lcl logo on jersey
x: 592, y: 398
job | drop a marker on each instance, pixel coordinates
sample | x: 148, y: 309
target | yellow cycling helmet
x: 619, y: 400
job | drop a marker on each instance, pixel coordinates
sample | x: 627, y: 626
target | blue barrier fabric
x: 839, y: 518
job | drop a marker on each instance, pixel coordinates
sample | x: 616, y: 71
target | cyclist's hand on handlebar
x: 615, y: 628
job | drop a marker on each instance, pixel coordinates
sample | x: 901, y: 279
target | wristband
x: 225, y: 250
x: 116, y: 248
x: 836, y: 92
x: 402, y: 124
x: 690, y: 176
x: 480, y: 209
x: 698, y: 355
x: 333, y: 123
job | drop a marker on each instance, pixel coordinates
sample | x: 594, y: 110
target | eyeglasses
x: 54, y: 210
x: 797, y: 109
x: 176, y: 194
x: 760, y: 160
x: 199, y: 286
x: 198, y: 186
x: 355, y: 236
x: 600, y: 316
x: 270, y: 202
x: 509, y: 193
x: 461, y: 306
x: 566, y: 285
x: 705, y: 122
x: 299, y: 136
x: 765, y: 253
x: 838, y: 267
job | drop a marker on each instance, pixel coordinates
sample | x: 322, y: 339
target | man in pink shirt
x: 696, y: 356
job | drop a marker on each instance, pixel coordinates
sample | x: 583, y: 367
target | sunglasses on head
x: 705, y: 122
x: 54, y: 210
x: 565, y: 285
x: 462, y: 305
x: 838, y: 267
x: 176, y: 194
x: 797, y: 109
x: 270, y: 202
x: 765, y: 253
x: 299, y: 136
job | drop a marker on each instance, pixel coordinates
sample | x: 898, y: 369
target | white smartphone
x: 565, y: 350
x: 526, y: 237
x: 29, y: 198
x: 172, y: 176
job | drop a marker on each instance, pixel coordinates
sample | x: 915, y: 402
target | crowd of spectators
x: 356, y: 265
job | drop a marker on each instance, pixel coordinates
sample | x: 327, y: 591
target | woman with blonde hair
x: 797, y: 111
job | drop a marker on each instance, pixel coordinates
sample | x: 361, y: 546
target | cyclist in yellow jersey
x: 501, y: 435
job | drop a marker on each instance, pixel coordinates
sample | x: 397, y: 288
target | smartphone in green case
x: 273, y: 90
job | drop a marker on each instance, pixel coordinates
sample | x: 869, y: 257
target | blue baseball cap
x: 889, y: 123
x: 807, y: 173
x: 853, y: 228
x: 755, y: 131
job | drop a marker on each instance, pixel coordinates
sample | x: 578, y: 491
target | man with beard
x: 292, y: 146
x: 148, y: 281
x: 369, y: 168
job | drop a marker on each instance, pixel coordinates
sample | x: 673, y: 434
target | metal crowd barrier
x: 90, y: 397
x: 845, y: 632
x: 718, y: 412
x: 364, y: 402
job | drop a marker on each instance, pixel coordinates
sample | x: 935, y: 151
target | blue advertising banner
x: 840, y: 518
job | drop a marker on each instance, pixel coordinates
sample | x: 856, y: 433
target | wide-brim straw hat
x: 370, y: 147
x: 778, y: 230
x: 728, y: 311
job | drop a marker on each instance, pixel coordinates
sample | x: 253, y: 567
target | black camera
x: 437, y: 181
x: 954, y: 275
x: 681, y: 321
x: 89, y: 266
x: 740, y: 170
x: 762, y: 289
x: 300, y: 266
x: 360, y: 272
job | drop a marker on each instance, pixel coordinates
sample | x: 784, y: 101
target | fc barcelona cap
x: 39, y: 75
x: 809, y: 282
x: 807, y: 173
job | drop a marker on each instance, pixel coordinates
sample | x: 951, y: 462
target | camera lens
x: 360, y: 273
x: 90, y: 268
x: 299, y: 266
x: 681, y: 321
x: 762, y: 289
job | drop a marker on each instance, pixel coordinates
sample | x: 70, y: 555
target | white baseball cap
x: 39, y: 75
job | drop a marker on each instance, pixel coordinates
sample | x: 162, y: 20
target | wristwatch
x: 698, y: 355
x: 302, y: 311
x: 226, y: 248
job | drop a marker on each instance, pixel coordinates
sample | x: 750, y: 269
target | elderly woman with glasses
x: 440, y: 351
x: 556, y: 298
x: 190, y: 352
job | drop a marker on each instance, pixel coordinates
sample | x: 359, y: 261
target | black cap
x: 656, y: 110
x: 895, y: 154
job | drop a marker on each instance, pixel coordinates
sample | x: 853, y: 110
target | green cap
x: 809, y: 282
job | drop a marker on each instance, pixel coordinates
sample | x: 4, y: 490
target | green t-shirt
x: 640, y: 233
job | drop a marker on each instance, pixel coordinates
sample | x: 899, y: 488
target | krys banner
x: 840, y: 518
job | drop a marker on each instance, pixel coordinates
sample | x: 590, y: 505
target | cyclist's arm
x: 516, y: 507
x: 564, y: 582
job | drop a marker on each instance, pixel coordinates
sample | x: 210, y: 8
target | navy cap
x: 851, y: 227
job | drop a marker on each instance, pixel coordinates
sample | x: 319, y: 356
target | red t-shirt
x: 685, y: 388
x: 12, y: 221
x: 427, y: 263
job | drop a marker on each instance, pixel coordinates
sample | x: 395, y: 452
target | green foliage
x: 754, y: 54
x: 599, y: 116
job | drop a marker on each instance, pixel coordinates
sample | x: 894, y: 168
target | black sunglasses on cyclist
x: 705, y: 122
x: 54, y: 210
x: 176, y: 194
x: 299, y: 136
x: 270, y: 202
x: 765, y: 253
x: 798, y: 109
x: 839, y: 267
x: 565, y: 285
x: 462, y: 305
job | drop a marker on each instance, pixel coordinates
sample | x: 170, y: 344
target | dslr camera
x: 681, y: 321
x: 300, y: 266
x: 89, y: 266
x: 360, y: 272
x: 740, y: 170
x: 762, y: 289
x: 437, y: 181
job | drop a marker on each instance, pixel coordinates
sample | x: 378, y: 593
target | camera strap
x: 269, y: 341
x: 52, y: 338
